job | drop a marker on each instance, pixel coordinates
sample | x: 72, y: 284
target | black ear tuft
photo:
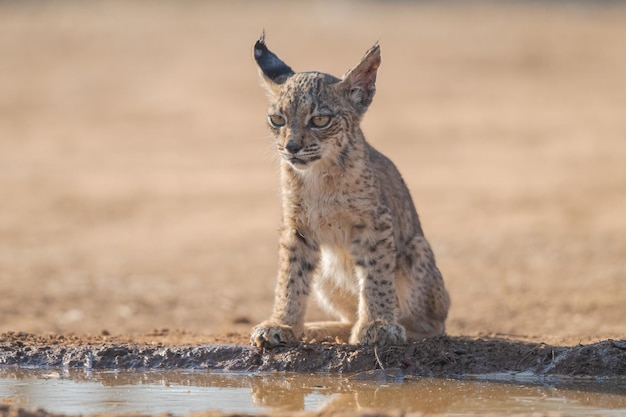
x: 272, y: 67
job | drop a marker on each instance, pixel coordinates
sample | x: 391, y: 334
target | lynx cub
x: 350, y: 233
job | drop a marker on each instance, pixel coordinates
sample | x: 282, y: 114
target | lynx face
x: 313, y: 114
x: 306, y: 120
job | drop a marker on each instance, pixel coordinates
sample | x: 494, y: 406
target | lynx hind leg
x: 335, y: 301
x: 426, y: 301
x: 327, y: 331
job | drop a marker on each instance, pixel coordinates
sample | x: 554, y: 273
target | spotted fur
x: 350, y: 233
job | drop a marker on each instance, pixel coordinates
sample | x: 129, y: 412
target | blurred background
x: 139, y: 187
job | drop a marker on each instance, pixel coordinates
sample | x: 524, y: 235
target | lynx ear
x: 273, y: 71
x: 360, y: 82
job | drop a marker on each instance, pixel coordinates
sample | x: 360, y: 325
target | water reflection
x: 181, y: 392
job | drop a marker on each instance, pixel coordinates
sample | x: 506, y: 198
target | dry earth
x: 139, y: 187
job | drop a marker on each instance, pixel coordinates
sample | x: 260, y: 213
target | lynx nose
x: 293, y: 147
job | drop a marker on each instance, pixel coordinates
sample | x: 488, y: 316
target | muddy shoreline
x: 440, y: 357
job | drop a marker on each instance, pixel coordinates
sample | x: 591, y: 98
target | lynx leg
x: 424, y: 301
x: 378, y: 299
x: 328, y: 331
x: 298, y: 259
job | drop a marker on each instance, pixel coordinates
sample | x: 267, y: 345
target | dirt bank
x: 440, y: 357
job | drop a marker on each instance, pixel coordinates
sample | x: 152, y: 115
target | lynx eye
x: 276, y: 120
x: 320, y: 121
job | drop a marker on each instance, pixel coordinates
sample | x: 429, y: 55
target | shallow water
x: 181, y: 392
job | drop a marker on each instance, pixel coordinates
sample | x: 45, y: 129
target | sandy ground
x: 140, y: 191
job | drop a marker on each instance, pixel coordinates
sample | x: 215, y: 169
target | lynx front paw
x: 379, y: 333
x: 269, y: 334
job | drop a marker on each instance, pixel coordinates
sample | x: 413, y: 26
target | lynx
x: 350, y: 233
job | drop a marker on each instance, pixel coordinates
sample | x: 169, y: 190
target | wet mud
x: 440, y: 357
x: 334, y: 365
